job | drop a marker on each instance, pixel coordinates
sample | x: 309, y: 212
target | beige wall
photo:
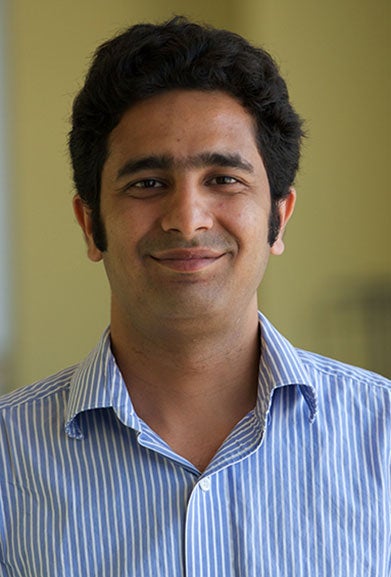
x: 335, y: 57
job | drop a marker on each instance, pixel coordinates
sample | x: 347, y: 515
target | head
x: 147, y: 60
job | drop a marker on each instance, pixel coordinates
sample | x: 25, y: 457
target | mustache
x: 214, y: 242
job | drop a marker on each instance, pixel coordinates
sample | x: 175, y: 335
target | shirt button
x: 205, y: 484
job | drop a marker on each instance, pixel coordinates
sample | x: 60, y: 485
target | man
x: 194, y: 440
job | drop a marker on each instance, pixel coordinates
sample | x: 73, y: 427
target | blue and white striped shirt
x: 301, y: 487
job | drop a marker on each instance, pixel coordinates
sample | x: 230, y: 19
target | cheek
x: 250, y: 225
x: 124, y: 228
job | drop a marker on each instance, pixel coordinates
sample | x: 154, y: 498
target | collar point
x: 73, y: 430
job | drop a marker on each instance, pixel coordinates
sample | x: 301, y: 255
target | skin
x: 185, y: 202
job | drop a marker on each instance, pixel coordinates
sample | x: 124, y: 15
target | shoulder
x: 347, y: 387
x: 39, y: 392
x: 335, y: 370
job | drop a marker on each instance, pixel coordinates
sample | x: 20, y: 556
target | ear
x: 285, y: 208
x: 83, y: 217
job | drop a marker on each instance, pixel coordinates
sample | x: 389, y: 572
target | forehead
x: 181, y: 121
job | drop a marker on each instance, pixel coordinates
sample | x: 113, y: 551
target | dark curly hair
x: 149, y: 59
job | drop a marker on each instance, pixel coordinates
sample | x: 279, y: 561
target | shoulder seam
x: 343, y: 370
x: 38, y: 391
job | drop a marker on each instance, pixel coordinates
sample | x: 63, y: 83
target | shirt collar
x: 97, y: 382
x: 281, y: 366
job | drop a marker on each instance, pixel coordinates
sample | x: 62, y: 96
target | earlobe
x: 83, y: 216
x: 286, y: 208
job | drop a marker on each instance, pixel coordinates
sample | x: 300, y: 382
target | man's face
x: 185, y: 203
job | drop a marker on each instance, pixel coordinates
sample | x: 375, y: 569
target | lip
x: 187, y: 260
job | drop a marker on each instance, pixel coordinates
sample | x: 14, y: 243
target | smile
x: 187, y: 260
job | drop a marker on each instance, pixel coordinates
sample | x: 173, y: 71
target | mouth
x: 187, y: 260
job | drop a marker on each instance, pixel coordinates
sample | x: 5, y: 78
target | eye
x: 147, y: 183
x: 144, y: 188
x: 223, y: 179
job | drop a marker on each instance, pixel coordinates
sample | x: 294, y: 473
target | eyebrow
x: 167, y: 162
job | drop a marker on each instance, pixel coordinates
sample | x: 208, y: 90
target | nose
x: 186, y: 210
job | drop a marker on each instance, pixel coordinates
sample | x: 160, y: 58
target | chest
x: 289, y: 503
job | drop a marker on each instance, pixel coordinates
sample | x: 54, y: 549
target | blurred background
x: 331, y: 290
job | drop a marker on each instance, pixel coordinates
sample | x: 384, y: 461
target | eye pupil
x: 147, y: 183
x: 224, y: 179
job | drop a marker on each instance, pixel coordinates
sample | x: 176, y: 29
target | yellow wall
x: 335, y: 56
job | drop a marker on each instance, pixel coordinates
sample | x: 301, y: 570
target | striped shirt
x: 301, y: 486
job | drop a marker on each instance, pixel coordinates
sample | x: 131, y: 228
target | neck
x: 187, y: 385
x: 159, y: 352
